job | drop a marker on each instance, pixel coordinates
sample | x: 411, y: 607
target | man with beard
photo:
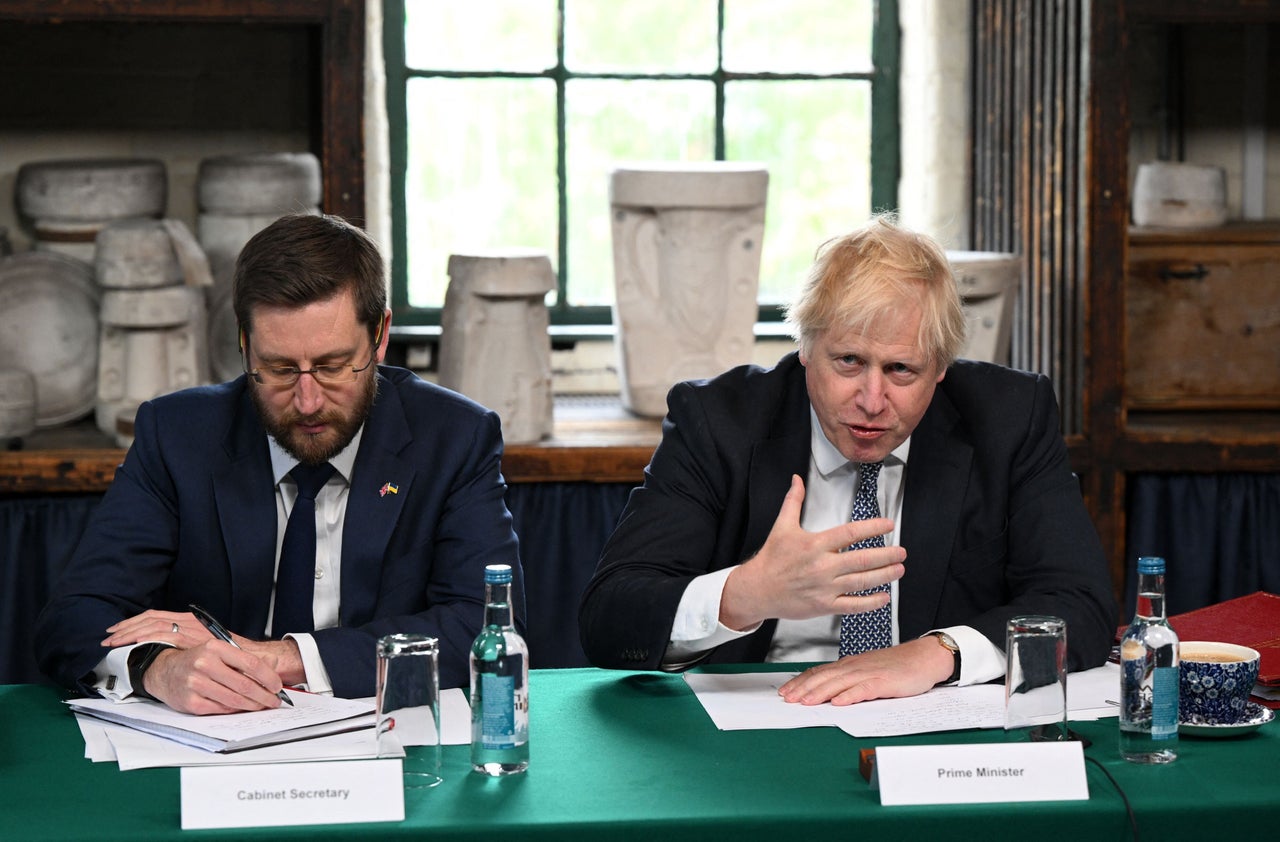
x: 408, y: 505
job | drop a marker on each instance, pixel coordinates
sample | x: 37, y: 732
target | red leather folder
x: 1252, y: 620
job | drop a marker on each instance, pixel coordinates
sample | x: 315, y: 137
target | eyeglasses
x: 287, y: 375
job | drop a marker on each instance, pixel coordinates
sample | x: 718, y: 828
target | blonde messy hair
x: 871, y: 274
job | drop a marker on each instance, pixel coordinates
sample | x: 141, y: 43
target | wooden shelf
x: 1129, y: 430
x: 594, y: 444
x: 1233, y: 233
x: 335, y: 28
x: 1206, y: 427
x: 1187, y: 441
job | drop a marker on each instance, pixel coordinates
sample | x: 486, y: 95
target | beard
x: 341, y: 426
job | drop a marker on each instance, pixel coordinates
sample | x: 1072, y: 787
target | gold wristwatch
x: 949, y: 643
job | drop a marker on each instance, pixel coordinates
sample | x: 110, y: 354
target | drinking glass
x: 409, y: 705
x: 1035, y: 680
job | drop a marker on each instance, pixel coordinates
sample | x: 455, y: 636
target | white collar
x: 344, y: 462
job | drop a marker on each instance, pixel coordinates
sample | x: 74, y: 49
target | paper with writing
x: 298, y: 794
x: 750, y: 701
x: 981, y: 774
x: 310, y: 716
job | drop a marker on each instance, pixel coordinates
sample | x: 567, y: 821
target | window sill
x: 419, y: 334
x: 583, y: 357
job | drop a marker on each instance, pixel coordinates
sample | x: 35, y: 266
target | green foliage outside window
x: 505, y: 128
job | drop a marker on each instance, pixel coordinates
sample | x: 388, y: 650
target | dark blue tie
x: 873, y: 629
x: 296, y: 575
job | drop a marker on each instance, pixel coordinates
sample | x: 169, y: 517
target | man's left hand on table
x: 907, y: 669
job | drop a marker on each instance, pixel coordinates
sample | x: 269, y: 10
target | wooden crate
x: 1202, y: 318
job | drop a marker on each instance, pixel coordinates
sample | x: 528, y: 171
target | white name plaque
x: 270, y: 795
x: 981, y: 773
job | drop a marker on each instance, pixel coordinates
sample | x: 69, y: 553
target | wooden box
x: 1202, y: 318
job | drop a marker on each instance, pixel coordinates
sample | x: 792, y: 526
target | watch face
x: 949, y: 642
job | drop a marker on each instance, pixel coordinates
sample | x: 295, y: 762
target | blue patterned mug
x: 1216, y: 680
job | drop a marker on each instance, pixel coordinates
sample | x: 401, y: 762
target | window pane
x: 640, y: 36
x: 799, y: 36
x: 610, y: 122
x: 485, y: 35
x: 815, y: 138
x: 481, y: 173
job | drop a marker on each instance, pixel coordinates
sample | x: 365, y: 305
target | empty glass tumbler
x: 409, y: 705
x: 1035, y: 688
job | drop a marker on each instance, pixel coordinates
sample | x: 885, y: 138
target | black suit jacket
x: 191, y: 517
x: 992, y: 518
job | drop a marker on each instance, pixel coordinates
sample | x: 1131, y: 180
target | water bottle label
x: 498, y: 711
x: 1164, y: 703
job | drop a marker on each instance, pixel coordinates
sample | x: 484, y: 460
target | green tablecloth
x: 623, y: 756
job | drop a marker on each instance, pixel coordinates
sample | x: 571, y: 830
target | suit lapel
x: 937, y: 477
x: 772, y: 464
x: 246, y: 509
x: 381, y: 482
x: 775, y: 459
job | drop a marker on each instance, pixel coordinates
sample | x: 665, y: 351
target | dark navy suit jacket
x: 992, y: 517
x: 191, y: 517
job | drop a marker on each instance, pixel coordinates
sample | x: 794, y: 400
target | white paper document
x: 749, y: 701
x: 981, y: 774
x: 137, y: 750
x: 299, y: 794
x: 132, y: 749
x: 310, y: 715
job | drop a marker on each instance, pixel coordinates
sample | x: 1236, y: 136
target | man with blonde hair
x: 871, y: 503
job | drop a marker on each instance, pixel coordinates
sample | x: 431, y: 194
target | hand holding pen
x: 219, y: 631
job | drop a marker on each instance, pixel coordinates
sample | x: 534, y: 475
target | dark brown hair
x: 302, y: 258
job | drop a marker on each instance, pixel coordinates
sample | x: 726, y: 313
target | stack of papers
x: 138, y: 744
x: 309, y: 716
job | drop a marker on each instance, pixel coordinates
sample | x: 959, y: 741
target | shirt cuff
x: 317, y: 676
x: 980, y: 660
x: 697, y: 627
x: 111, y: 675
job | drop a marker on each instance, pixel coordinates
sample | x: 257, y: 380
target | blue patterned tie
x: 873, y: 629
x: 296, y: 574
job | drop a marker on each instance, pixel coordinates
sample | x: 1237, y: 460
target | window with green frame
x: 506, y: 117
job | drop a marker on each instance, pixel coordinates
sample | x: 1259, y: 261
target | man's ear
x: 383, y: 336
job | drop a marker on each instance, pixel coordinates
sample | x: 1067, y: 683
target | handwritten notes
x: 750, y: 700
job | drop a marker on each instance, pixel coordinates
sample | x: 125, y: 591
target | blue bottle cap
x: 1150, y: 564
x: 498, y: 574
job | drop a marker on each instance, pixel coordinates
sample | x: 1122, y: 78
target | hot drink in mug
x: 1215, y: 682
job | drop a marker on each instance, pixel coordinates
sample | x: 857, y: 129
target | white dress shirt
x: 331, y: 510
x: 112, y: 673
x: 828, y: 502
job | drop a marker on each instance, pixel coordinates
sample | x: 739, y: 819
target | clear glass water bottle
x: 499, y: 683
x: 1149, y: 674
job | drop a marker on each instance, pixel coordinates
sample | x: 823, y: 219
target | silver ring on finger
x: 175, y: 628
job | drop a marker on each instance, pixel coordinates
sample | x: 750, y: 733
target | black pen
x: 219, y: 631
